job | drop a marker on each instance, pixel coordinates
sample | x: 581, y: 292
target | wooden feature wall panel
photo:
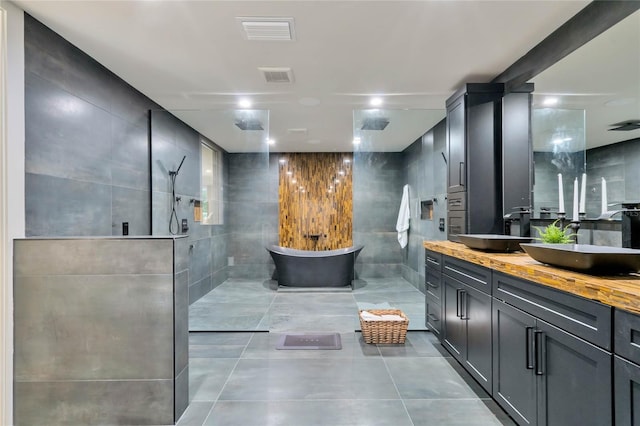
x: 316, y: 201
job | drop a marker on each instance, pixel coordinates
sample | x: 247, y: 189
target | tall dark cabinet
x: 474, y: 133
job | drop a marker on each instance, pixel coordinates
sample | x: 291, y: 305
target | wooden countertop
x: 621, y: 291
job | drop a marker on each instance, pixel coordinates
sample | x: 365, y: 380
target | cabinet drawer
x: 434, y: 316
x: 471, y: 274
x: 456, y: 201
x: 433, y: 284
x: 433, y: 260
x: 627, y: 335
x: 457, y: 224
x: 584, y: 318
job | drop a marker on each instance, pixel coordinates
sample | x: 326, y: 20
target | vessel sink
x: 585, y: 257
x: 493, y: 242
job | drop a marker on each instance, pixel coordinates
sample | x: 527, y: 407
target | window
x: 211, y: 184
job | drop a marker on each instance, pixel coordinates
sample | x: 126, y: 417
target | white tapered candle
x: 560, y: 195
x: 604, y: 206
x: 583, y: 194
x: 576, y: 215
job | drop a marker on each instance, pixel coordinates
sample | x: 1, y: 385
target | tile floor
x: 239, y: 378
x: 255, y: 305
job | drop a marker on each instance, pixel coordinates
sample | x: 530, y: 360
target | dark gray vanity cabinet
x: 544, y: 374
x: 473, y: 160
x: 626, y: 377
x: 433, y: 290
x: 466, y: 305
x: 514, y: 378
x: 626, y: 368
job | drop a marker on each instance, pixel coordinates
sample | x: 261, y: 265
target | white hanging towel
x: 402, y: 226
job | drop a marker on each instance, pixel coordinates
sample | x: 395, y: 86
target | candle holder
x: 575, y: 227
x: 582, y: 216
x: 561, y: 217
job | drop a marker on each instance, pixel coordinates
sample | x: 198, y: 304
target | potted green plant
x: 553, y: 234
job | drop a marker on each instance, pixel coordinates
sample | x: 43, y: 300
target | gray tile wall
x: 171, y: 140
x: 100, y: 331
x: 619, y: 164
x: 86, y: 143
x: 426, y: 175
x: 253, y: 213
x: 88, y: 154
x: 378, y: 178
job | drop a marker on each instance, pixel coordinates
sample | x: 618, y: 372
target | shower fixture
x: 174, y: 216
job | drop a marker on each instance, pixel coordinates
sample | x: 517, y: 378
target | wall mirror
x: 597, y: 85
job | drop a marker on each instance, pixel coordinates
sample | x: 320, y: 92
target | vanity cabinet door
x: 627, y: 392
x: 456, y: 140
x: 455, y: 328
x: 575, y: 385
x: 514, y: 379
x: 467, y: 328
x: 477, y: 314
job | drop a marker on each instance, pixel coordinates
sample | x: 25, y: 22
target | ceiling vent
x: 249, y: 124
x: 267, y: 29
x: 277, y: 74
x: 625, y: 126
x: 374, y: 123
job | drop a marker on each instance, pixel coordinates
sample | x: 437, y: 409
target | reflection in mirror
x: 559, y: 159
x: 603, y: 79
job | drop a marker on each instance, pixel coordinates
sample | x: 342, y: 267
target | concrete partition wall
x: 101, y: 332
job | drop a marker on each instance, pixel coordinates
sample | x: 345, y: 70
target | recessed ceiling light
x: 244, y: 103
x: 271, y: 141
x: 377, y: 101
x: 551, y: 101
x: 356, y: 141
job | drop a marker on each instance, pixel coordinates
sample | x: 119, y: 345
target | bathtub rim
x: 286, y: 251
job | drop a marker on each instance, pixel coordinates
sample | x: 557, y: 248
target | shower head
x: 181, y: 164
x: 175, y: 172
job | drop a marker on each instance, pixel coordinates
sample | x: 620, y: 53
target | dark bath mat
x: 310, y: 341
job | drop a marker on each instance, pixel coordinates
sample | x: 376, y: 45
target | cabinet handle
x: 538, y: 342
x: 463, y: 304
x: 461, y: 173
x: 458, y: 291
x: 430, y: 284
x: 528, y: 346
x: 433, y: 317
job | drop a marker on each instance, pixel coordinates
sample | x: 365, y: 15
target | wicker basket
x: 384, y: 331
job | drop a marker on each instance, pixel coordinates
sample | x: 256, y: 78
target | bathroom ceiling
x: 192, y: 58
